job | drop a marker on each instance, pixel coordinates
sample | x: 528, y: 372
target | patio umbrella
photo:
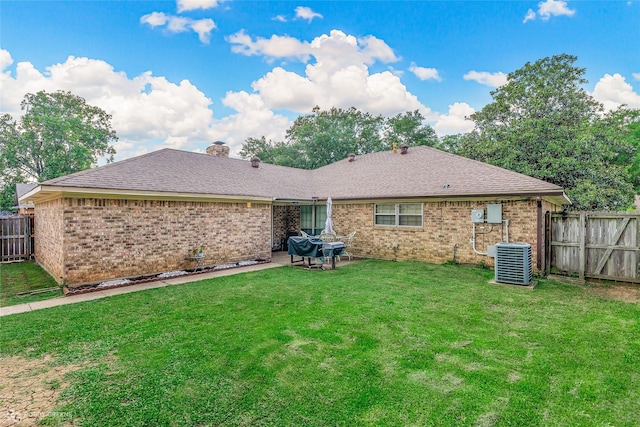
x: 328, y: 225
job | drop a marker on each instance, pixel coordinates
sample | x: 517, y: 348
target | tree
x: 542, y: 123
x: 324, y: 137
x: 451, y: 143
x: 58, y: 134
x: 633, y: 137
x: 275, y: 153
x: 407, y: 128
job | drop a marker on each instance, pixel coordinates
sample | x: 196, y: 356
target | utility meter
x: 477, y: 215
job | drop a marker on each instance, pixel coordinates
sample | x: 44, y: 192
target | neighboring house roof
x: 422, y: 172
x: 21, y: 190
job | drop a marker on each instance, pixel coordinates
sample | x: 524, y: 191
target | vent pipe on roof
x: 218, y: 149
x: 352, y: 157
x: 404, y: 149
x: 255, y: 162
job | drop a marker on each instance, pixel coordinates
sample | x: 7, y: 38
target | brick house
x: 145, y: 214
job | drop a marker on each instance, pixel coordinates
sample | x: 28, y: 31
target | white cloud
x: 486, y: 78
x: 273, y: 48
x: 636, y: 76
x: 549, y: 8
x: 148, y: 112
x: 613, y: 91
x: 151, y: 112
x: 425, y: 73
x: 154, y: 19
x: 530, y: 16
x: 339, y: 77
x: 180, y: 24
x: 279, y: 18
x: 253, y: 119
x: 455, y: 121
x: 5, y: 59
x: 306, y: 13
x: 336, y: 48
x: 185, y: 5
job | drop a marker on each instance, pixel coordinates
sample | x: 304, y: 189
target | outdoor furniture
x: 327, y: 236
x: 348, y: 241
x: 331, y: 251
x: 313, y: 248
x: 198, y: 261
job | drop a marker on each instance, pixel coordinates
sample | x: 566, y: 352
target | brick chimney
x: 218, y: 149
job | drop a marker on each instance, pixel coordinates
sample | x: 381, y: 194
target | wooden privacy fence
x: 16, y: 238
x: 600, y: 245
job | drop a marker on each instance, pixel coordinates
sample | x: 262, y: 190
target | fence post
x: 582, y: 231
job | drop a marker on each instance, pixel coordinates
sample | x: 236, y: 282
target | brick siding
x: 90, y: 240
x: 286, y: 219
x: 445, y: 225
x: 106, y: 239
x: 48, y: 231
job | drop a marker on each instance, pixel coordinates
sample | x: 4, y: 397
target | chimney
x: 352, y: 157
x: 404, y: 149
x: 255, y: 162
x: 218, y: 149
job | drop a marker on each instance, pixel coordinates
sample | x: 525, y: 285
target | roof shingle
x: 422, y: 172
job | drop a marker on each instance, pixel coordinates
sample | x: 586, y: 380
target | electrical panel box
x: 477, y: 215
x: 494, y: 213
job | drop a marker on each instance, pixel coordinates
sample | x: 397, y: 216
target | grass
x: 371, y: 343
x: 20, y: 277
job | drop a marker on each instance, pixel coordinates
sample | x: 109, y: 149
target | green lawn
x: 372, y: 343
x: 20, y: 277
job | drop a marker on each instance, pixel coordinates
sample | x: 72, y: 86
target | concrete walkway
x: 278, y: 259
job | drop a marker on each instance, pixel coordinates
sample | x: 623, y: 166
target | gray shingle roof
x: 176, y: 171
x: 422, y: 172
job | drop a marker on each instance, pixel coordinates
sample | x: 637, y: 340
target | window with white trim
x: 398, y: 214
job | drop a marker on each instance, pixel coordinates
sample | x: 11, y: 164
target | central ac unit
x: 513, y: 263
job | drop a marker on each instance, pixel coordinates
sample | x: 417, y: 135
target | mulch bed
x: 83, y: 289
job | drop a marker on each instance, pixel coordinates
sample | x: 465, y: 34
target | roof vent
x: 352, y: 157
x: 404, y: 149
x: 255, y: 162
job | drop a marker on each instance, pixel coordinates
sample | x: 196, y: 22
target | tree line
x: 541, y: 123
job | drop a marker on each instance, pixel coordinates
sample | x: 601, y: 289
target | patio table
x: 197, y: 261
x: 306, y: 247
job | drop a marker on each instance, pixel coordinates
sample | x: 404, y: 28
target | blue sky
x: 184, y: 73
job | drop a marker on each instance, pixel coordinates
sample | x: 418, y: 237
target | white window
x: 398, y: 214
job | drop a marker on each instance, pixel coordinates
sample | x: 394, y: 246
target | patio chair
x: 305, y: 235
x: 327, y: 237
x: 348, y: 242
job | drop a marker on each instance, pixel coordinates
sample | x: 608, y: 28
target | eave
x: 42, y: 194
